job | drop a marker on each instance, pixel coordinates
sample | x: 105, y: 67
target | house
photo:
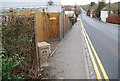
x: 53, y: 6
x: 104, y: 13
x: 69, y: 10
x: 93, y: 10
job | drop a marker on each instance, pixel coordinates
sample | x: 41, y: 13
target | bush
x: 88, y: 12
x: 18, y: 41
x: 101, y: 5
x: 98, y: 13
x: 8, y: 65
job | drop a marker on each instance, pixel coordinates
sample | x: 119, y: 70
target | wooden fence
x: 48, y: 24
x: 39, y: 23
x: 67, y: 24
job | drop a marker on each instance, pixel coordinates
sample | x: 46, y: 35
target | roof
x: 105, y: 8
x: 94, y: 7
x: 69, y: 8
x: 6, y: 11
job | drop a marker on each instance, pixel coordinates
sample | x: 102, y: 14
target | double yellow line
x: 94, y: 55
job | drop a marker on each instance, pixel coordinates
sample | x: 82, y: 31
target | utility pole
x: 109, y: 8
x: 119, y: 8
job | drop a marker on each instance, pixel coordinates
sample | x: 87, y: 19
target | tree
x: 101, y: 5
x: 77, y: 10
x: 88, y: 12
x: 92, y: 3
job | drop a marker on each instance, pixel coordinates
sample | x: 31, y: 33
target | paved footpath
x: 69, y: 61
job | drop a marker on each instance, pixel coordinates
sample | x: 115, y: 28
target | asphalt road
x: 104, y: 37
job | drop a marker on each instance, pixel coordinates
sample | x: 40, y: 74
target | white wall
x: 91, y: 15
x: 56, y: 7
x: 70, y: 13
x: 104, y: 15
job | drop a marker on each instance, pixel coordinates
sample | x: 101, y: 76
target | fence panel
x: 67, y: 23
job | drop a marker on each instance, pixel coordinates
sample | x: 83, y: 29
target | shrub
x: 18, y: 41
x: 8, y: 65
x: 88, y: 12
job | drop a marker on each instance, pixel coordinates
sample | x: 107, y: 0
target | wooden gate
x: 52, y: 24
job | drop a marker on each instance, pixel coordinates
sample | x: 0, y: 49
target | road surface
x: 104, y: 37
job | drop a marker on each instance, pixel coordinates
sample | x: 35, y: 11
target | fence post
x: 61, y: 26
x: 44, y: 25
x: 37, y: 64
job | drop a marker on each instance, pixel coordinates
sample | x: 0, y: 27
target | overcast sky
x: 83, y: 2
x: 68, y: 2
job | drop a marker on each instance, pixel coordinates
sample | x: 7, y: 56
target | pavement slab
x: 68, y: 62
